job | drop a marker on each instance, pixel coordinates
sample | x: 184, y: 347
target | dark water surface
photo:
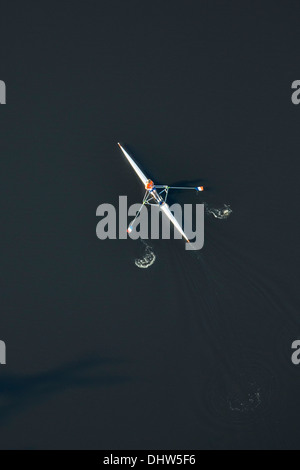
x: 195, y: 351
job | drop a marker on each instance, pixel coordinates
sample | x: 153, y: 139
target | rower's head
x: 149, y: 185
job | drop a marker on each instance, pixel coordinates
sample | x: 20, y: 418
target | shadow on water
x: 18, y: 392
x: 133, y: 152
x: 195, y: 182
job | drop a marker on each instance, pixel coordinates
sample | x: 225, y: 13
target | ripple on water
x: 219, y: 213
x: 148, y: 257
x: 243, y: 398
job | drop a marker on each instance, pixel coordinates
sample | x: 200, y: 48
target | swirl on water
x: 219, y: 213
x: 148, y: 257
x: 245, y: 401
x: 244, y: 398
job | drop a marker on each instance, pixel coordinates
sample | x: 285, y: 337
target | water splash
x: 219, y: 213
x: 148, y: 258
x: 241, y: 398
x: 245, y: 402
